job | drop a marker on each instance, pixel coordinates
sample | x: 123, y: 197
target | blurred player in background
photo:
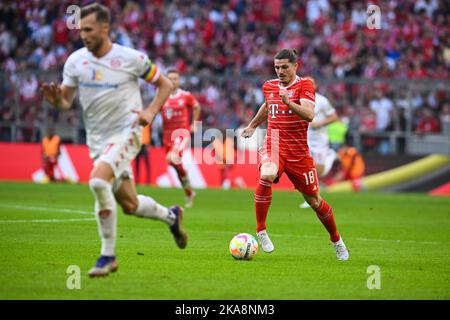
x: 323, y: 155
x: 225, y: 154
x: 352, y: 166
x: 175, y: 114
x: 51, y: 145
x: 288, y: 108
x: 107, y: 78
x: 143, y: 155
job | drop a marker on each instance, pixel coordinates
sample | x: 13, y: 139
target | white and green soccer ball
x: 243, y: 246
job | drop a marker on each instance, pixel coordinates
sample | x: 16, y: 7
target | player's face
x: 175, y: 78
x: 285, y: 70
x: 93, y: 33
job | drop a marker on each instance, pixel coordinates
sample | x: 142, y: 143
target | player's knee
x: 130, y: 206
x: 313, y: 201
x: 269, y: 171
x: 173, y: 159
x: 320, y: 169
x: 270, y: 178
x: 98, y: 185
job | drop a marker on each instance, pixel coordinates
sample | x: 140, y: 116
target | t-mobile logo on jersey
x: 273, y: 109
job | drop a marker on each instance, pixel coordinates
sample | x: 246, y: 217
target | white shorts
x: 324, y: 156
x: 119, y: 153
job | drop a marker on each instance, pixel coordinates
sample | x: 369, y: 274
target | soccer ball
x: 243, y: 246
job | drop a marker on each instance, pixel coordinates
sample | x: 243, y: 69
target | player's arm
x: 330, y: 119
x: 59, y: 96
x: 147, y: 115
x: 196, y: 111
x: 304, y: 110
x: 259, y: 118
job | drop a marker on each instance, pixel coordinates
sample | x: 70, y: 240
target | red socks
x: 263, y: 199
x: 325, y: 214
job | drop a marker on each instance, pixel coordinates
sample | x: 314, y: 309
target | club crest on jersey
x: 97, y: 75
x: 180, y: 103
x: 115, y: 63
x: 271, y: 95
x: 291, y: 93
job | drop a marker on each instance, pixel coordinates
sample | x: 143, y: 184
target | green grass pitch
x: 45, y: 228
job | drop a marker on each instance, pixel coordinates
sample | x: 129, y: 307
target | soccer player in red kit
x: 288, y: 108
x: 175, y: 113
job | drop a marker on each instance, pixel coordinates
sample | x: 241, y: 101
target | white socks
x: 149, y: 208
x: 106, y: 213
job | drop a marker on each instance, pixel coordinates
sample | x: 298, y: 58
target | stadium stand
x: 224, y: 49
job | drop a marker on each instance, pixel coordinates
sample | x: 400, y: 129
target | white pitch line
x: 350, y: 239
x: 11, y: 206
x: 396, y: 241
x: 44, y: 220
x: 91, y: 213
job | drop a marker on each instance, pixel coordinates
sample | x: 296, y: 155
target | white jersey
x: 318, y: 138
x: 109, y: 90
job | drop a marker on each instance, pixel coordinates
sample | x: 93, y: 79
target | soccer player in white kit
x: 318, y: 142
x: 107, y: 77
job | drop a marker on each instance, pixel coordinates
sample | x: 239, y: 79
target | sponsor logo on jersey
x: 169, y: 113
x: 97, y: 75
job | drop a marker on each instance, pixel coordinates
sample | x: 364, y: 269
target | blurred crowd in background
x: 225, y: 50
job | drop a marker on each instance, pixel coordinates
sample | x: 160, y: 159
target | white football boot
x: 304, y: 205
x: 341, y: 250
x: 265, y: 242
x: 190, y: 200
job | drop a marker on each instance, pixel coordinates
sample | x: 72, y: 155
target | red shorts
x: 302, y: 173
x: 177, y: 146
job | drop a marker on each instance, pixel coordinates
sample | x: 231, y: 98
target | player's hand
x: 52, y: 93
x: 248, y: 132
x: 193, y: 128
x: 143, y: 118
x: 284, y: 96
x: 315, y: 125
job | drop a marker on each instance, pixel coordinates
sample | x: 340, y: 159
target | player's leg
x: 147, y: 165
x: 318, y: 153
x: 51, y: 163
x: 137, y: 165
x: 106, y: 214
x: 174, y: 159
x: 304, y: 177
x: 46, y: 165
x: 330, y: 157
x: 263, y: 198
x: 325, y: 214
x: 146, y: 207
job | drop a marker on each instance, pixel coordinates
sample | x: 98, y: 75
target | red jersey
x: 175, y: 114
x: 292, y: 132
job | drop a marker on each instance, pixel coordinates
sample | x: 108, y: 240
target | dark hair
x: 290, y: 54
x: 172, y: 70
x: 102, y: 13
